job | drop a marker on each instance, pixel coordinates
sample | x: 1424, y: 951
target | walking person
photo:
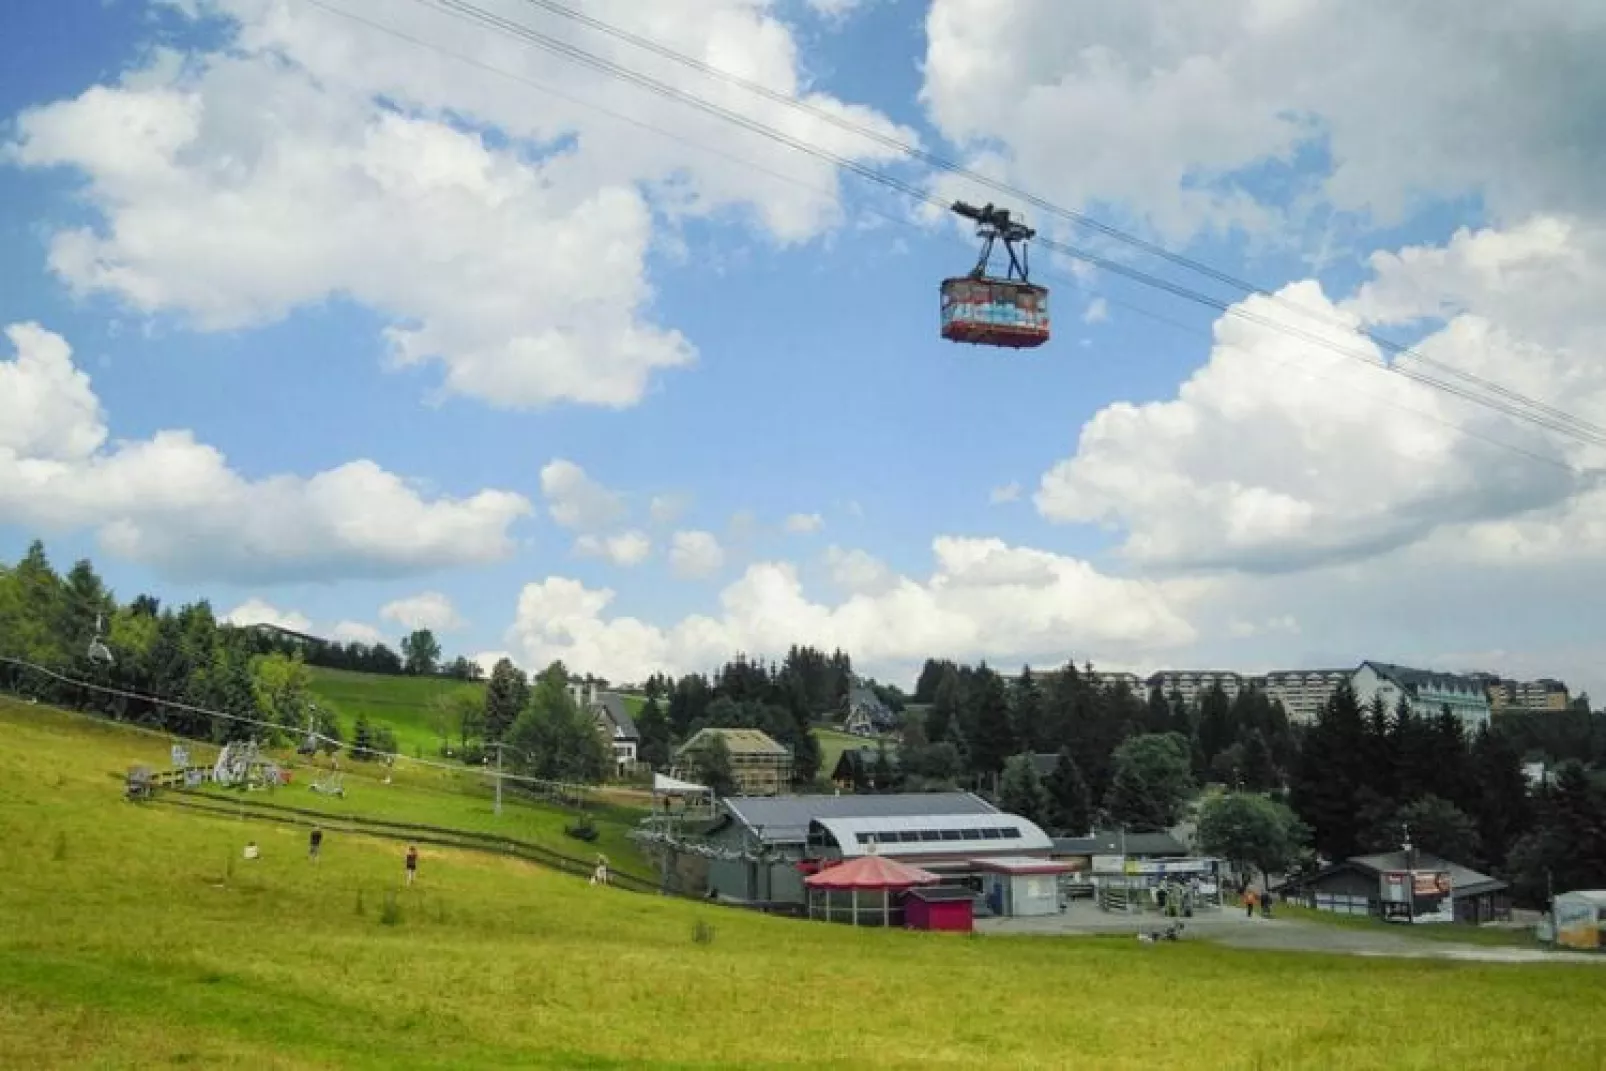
x: 1249, y: 903
x: 412, y: 863
x: 314, y: 842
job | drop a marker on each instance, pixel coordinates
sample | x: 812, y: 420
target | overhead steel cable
x: 1238, y: 311
x: 468, y: 12
x: 290, y: 730
x: 1080, y: 219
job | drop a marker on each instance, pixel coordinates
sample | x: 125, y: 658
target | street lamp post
x: 1410, y: 878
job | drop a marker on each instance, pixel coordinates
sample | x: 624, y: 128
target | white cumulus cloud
x: 667, y: 509
x: 694, y: 555
x: 428, y: 609
x: 1157, y: 106
x: 625, y: 548
x: 984, y: 599
x: 174, y: 503
x: 501, y: 231
x: 356, y: 632
x: 577, y: 501
x: 804, y: 523
x: 1281, y: 454
x: 257, y: 612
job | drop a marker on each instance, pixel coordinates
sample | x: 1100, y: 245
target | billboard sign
x: 1416, y: 896
x: 1168, y: 867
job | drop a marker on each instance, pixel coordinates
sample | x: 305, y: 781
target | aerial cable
x: 1080, y: 219
x: 914, y: 193
x: 1590, y: 437
x: 1555, y: 420
x: 242, y: 719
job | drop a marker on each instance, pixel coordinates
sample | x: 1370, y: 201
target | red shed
x: 942, y: 907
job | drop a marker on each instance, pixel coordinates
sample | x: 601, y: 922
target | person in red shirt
x: 412, y: 863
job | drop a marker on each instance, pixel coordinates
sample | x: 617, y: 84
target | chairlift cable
x: 242, y: 719
x: 1079, y: 218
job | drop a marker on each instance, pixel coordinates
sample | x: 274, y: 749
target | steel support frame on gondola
x: 992, y: 225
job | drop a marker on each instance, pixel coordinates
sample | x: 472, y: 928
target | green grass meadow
x: 134, y: 935
x: 403, y: 703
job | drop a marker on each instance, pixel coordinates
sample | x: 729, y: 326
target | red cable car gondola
x: 989, y: 311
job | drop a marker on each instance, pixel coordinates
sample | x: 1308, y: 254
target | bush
x: 584, y: 829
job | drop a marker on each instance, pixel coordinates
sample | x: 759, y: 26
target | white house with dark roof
x: 1428, y: 693
x: 866, y: 714
x: 613, y: 721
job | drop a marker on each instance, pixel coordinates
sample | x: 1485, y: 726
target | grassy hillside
x: 403, y: 703
x: 135, y: 935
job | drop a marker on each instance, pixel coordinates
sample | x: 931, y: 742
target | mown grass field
x: 134, y: 935
x: 403, y: 703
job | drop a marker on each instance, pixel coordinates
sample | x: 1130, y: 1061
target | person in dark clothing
x: 412, y: 863
x: 314, y: 842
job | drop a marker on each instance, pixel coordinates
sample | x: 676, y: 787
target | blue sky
x: 820, y: 385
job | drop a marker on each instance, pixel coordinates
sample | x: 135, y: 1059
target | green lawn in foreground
x: 135, y: 936
x: 403, y: 703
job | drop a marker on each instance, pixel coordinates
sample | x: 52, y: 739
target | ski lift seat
x: 994, y: 312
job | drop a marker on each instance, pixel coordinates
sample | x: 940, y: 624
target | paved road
x: 1232, y: 928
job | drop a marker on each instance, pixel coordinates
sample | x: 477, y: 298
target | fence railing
x: 416, y: 832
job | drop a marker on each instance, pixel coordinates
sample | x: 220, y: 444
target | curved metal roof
x: 936, y: 834
x: 785, y: 819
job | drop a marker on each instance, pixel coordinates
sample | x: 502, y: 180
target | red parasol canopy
x: 871, y: 872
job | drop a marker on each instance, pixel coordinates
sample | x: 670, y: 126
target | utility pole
x: 499, y: 777
x: 1410, y: 878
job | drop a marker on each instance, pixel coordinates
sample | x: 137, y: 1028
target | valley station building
x: 1002, y: 859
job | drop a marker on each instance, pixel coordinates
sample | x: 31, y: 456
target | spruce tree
x: 1021, y: 792
x: 653, y: 726
x: 1071, y: 808
x: 1327, y: 782
x: 994, y: 739
x: 1030, y: 728
x: 505, y: 697
x: 1503, y: 810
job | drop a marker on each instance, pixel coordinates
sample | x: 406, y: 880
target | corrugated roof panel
x: 936, y: 834
x: 786, y: 819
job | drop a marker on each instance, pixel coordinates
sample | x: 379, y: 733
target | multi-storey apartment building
x: 1507, y: 694
x: 1302, y: 692
x: 1192, y: 684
